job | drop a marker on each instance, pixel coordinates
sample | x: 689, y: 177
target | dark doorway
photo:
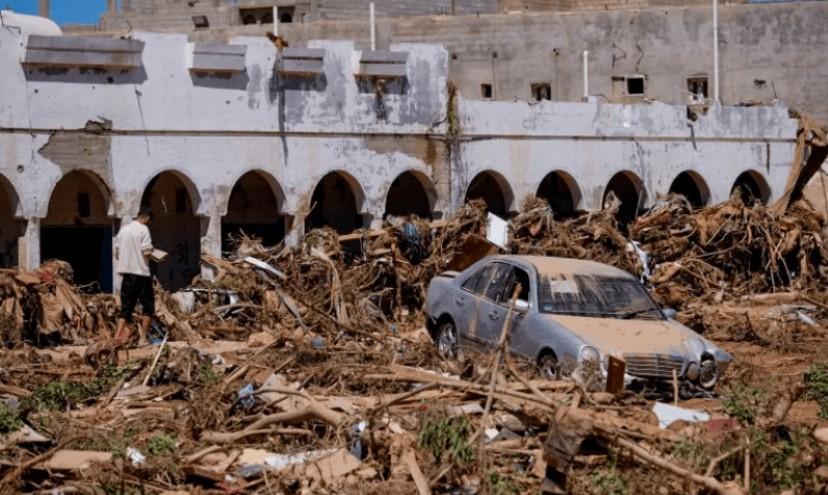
x: 561, y: 192
x: 253, y: 210
x: 175, y: 229
x: 77, y: 229
x: 406, y: 197
x: 9, y: 225
x: 692, y: 187
x: 629, y: 190
x: 334, y: 205
x: 485, y: 186
x: 752, y: 188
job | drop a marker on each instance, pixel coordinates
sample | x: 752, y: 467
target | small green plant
x: 9, y: 419
x: 744, y: 402
x: 61, y: 395
x: 447, y: 438
x: 693, y: 454
x: 161, y: 444
x: 608, y: 481
x: 501, y: 485
x: 207, y: 375
x: 816, y: 386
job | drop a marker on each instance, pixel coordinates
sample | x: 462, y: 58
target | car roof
x: 550, y: 265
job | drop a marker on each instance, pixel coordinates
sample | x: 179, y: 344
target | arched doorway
x: 494, y: 190
x: 562, y: 193
x: 336, y: 203
x: 692, y: 186
x: 253, y: 210
x: 9, y: 225
x: 409, y: 195
x: 629, y: 190
x: 752, y: 188
x: 77, y: 229
x: 175, y: 228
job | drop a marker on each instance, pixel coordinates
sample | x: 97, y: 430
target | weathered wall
x: 768, y: 51
x: 126, y: 128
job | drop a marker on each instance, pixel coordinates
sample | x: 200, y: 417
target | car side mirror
x: 521, y: 306
x: 670, y: 313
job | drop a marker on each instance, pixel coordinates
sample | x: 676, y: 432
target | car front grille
x: 653, y: 365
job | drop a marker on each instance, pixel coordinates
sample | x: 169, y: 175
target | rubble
x: 308, y: 369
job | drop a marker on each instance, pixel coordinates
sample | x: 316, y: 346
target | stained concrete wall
x: 126, y: 128
x: 768, y: 51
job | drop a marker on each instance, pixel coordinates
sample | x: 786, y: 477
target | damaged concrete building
x: 220, y: 138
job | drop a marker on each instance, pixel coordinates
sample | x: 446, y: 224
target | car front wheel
x: 548, y: 366
x: 447, y: 340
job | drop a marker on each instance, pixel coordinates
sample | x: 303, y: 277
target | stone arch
x: 411, y: 193
x: 78, y: 223
x: 629, y: 189
x: 693, y: 187
x: 175, y: 228
x: 337, y: 202
x: 9, y: 224
x: 752, y: 187
x: 494, y: 190
x: 562, y: 193
x: 254, y: 208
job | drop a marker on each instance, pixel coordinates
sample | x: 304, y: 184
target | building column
x: 112, y: 6
x: 210, y: 242
x: 28, y: 246
x: 294, y: 231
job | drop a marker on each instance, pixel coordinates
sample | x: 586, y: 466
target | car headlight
x: 590, y: 355
x: 709, y: 373
x: 692, y: 372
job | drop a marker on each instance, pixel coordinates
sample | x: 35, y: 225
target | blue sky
x: 63, y: 11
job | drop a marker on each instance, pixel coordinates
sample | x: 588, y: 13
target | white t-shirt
x: 132, y: 241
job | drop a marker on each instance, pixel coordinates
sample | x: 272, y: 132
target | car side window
x: 497, y: 285
x: 516, y: 276
x: 477, y: 282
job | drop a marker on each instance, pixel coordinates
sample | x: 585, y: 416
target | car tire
x: 447, y: 340
x: 549, y: 367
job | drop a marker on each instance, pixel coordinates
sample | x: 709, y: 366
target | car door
x: 466, y: 301
x: 491, y: 311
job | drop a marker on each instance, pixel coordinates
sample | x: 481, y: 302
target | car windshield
x: 596, y: 296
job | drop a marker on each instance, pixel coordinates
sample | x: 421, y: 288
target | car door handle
x: 460, y: 301
x: 494, y: 315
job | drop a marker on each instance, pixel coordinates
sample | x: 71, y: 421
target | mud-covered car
x: 570, y: 316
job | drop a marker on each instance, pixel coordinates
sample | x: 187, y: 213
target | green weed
x: 816, y: 386
x: 447, y: 438
x: 501, y: 485
x: 608, y: 481
x: 744, y: 402
x: 9, y: 419
x: 161, y: 444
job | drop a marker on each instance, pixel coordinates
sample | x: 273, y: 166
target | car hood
x: 617, y: 337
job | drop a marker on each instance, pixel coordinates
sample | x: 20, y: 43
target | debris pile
x: 309, y: 370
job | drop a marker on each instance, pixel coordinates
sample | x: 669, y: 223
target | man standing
x: 132, y: 252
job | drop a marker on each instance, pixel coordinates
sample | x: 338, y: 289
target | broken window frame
x: 698, y: 82
x: 486, y: 88
x: 541, y: 91
x: 261, y: 16
x: 635, y: 77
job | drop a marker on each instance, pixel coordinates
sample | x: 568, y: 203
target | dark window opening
x: 635, y: 85
x: 181, y: 200
x: 486, y: 91
x: 256, y: 15
x: 542, y: 91
x: 201, y: 22
x: 697, y: 87
x: 286, y: 14
x: 84, y: 207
